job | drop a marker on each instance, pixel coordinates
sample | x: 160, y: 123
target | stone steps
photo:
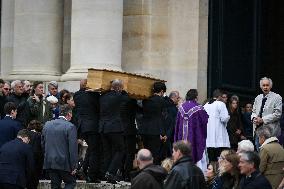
x: 45, y: 184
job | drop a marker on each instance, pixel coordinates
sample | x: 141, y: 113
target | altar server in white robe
x: 217, y: 135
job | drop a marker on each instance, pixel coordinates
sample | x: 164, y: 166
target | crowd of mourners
x: 158, y: 142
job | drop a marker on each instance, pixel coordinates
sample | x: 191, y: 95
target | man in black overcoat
x: 87, y: 113
x: 16, y: 163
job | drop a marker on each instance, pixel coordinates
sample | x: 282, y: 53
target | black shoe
x: 110, y: 178
x: 96, y: 180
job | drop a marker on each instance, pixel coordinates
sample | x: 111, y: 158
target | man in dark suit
x: 153, y: 129
x: 59, y: 141
x: 87, y: 112
x: 18, y: 97
x: 16, y: 163
x: 111, y: 129
x: 9, y: 127
x: 128, y: 111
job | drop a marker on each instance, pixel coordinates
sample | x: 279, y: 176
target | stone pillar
x: 96, y: 36
x: 168, y: 40
x: 32, y: 39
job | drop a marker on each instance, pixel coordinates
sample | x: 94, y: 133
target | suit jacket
x: 59, y: 141
x: 23, y: 111
x: 110, y: 106
x: 16, y: 163
x: 271, y: 112
x: 255, y: 181
x: 87, y: 111
x: 9, y: 129
x: 128, y: 111
x: 153, y: 121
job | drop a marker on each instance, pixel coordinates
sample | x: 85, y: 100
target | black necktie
x: 262, y: 106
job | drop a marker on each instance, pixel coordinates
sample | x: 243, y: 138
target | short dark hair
x: 9, y: 106
x: 217, y: 93
x: 191, y: 94
x: 183, y: 146
x: 36, y: 83
x: 2, y: 81
x: 251, y: 157
x: 35, y: 125
x: 65, y: 109
x: 159, y: 86
x: 24, y: 133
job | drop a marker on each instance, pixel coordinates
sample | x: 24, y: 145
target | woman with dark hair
x: 211, y: 174
x: 35, y: 128
x: 62, y: 96
x: 235, y: 126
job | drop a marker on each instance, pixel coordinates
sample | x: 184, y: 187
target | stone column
x: 168, y: 40
x: 96, y: 36
x: 32, y: 39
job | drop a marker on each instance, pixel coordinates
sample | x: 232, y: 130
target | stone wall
x: 168, y: 40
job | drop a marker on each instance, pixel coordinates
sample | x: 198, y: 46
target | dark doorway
x: 246, y: 42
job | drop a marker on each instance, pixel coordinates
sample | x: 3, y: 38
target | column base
x: 33, y: 76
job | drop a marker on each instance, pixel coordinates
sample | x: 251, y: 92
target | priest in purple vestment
x: 191, y: 126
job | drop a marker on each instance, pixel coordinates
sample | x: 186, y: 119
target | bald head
x: 83, y: 84
x: 144, y: 158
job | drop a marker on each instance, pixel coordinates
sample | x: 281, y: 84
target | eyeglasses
x: 7, y: 89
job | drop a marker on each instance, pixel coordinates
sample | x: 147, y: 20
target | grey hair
x: 266, y: 132
x: 26, y: 81
x: 144, y: 156
x: 251, y: 157
x: 16, y: 82
x: 265, y: 78
x: 116, y: 84
x: 173, y: 94
x: 245, y: 145
x: 8, y: 83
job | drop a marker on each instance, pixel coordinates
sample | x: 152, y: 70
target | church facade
x: 60, y: 39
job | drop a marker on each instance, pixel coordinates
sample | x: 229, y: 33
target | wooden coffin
x: 137, y: 86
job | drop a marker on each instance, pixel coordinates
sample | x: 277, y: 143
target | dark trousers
x: 9, y: 186
x: 56, y: 177
x: 214, y: 153
x: 153, y: 143
x: 94, y: 155
x: 130, y: 146
x: 113, y: 148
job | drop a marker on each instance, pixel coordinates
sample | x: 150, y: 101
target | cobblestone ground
x: 45, y: 184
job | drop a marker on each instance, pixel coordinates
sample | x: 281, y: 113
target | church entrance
x: 245, y: 43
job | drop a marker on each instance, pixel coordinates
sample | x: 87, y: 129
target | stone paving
x: 45, y: 184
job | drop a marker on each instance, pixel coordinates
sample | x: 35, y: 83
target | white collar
x: 269, y: 140
x: 63, y: 117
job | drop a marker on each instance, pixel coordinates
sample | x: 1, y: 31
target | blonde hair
x: 167, y: 164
